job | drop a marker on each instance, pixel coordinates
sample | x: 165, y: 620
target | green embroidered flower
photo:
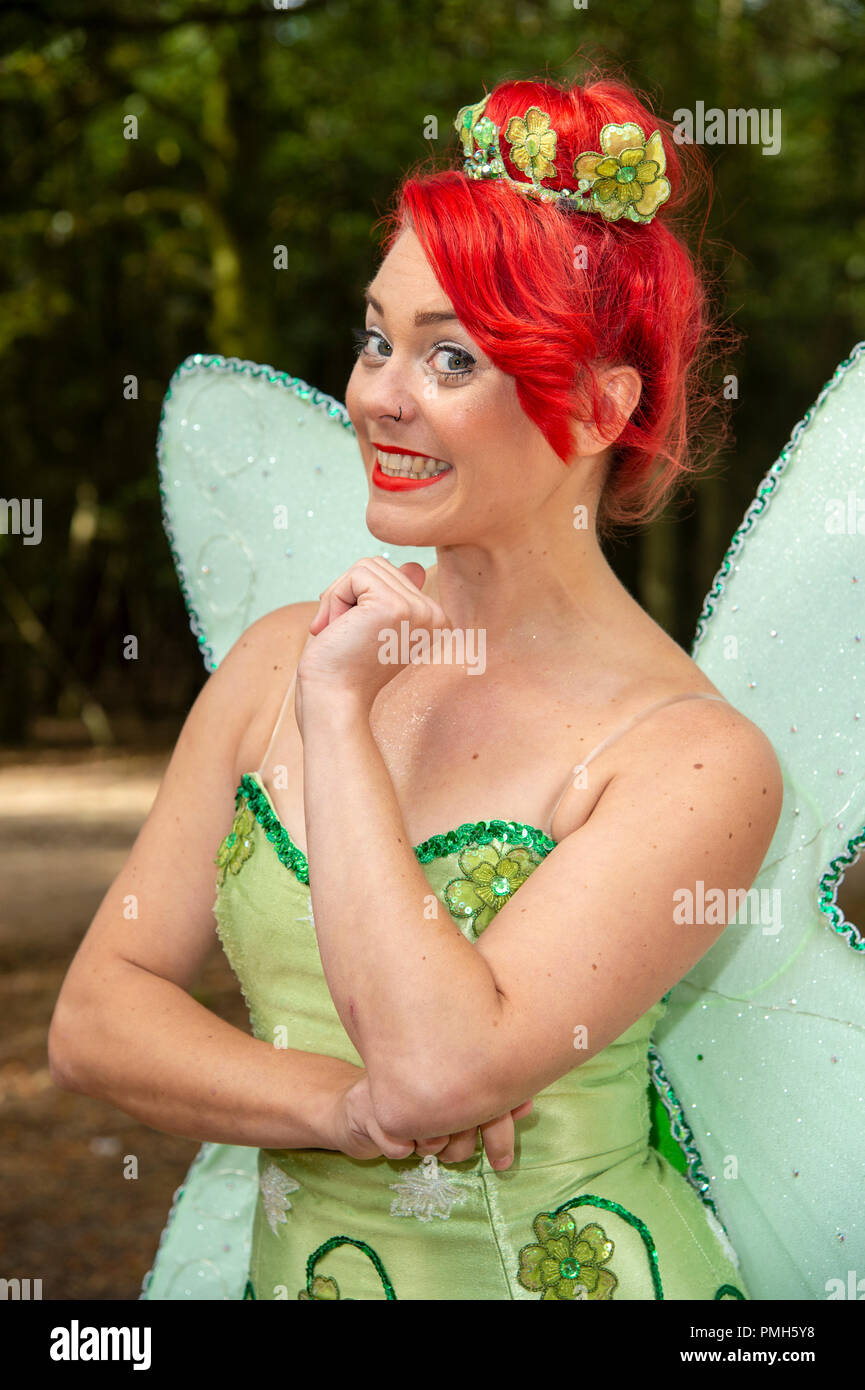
x: 491, y: 877
x: 565, y: 1258
x: 237, y: 845
x: 627, y: 179
x: 323, y: 1287
x: 533, y: 144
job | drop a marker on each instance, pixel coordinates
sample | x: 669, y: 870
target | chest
x: 458, y: 748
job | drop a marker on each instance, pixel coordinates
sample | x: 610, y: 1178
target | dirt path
x: 67, y: 1215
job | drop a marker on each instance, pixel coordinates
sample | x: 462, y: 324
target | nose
x: 384, y: 393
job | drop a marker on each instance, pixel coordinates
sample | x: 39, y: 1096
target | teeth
x: 408, y: 466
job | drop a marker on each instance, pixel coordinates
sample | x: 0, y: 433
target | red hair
x: 507, y: 263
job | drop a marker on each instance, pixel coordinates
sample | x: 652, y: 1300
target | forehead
x: 406, y: 276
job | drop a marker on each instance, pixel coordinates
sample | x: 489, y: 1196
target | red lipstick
x: 389, y: 484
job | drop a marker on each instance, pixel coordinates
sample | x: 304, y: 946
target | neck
x: 536, y: 591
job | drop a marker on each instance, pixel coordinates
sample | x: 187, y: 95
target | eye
x: 364, y: 337
x: 458, y: 362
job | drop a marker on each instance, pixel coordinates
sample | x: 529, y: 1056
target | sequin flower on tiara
x: 627, y: 180
x: 624, y: 179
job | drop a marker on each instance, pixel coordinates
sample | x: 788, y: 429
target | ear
x: 622, y: 388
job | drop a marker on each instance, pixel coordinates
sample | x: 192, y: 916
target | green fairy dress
x: 588, y: 1210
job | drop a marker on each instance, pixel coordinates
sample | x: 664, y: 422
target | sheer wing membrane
x: 760, y: 1058
x: 263, y: 494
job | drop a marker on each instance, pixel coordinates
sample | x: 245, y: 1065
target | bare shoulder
x: 710, y: 750
x: 277, y: 639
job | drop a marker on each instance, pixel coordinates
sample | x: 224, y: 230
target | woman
x: 453, y: 970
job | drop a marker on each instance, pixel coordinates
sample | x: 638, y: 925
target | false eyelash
x: 361, y: 337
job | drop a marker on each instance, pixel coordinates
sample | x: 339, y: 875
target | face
x: 426, y: 401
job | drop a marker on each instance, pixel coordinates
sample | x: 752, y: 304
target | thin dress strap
x: 285, y: 699
x: 617, y: 733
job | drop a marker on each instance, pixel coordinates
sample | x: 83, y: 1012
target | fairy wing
x: 760, y: 1058
x: 263, y: 500
x: 263, y: 494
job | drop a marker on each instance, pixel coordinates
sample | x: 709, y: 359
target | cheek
x: 484, y: 421
x: 352, y: 395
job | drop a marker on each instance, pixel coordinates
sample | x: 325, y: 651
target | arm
x: 125, y: 1028
x: 453, y: 1032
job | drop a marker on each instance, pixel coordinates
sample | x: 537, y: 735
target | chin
x: 403, y: 530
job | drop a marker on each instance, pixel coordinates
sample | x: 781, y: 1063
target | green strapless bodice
x: 588, y: 1210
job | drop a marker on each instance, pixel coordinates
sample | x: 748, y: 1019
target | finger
x: 389, y: 1145
x: 498, y: 1136
x: 341, y: 588
x: 460, y: 1147
x: 431, y: 1146
x: 364, y: 576
x: 522, y: 1110
x: 426, y: 610
x: 320, y: 613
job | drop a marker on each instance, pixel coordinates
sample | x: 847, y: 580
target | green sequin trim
x: 730, y: 1291
x: 288, y: 852
x: 827, y: 890
x: 323, y: 1286
x: 681, y: 1131
x: 436, y: 847
x: 765, y: 492
x: 483, y: 832
x: 204, y: 363
x: 548, y: 1220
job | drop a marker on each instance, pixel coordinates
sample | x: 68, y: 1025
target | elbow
x: 63, y: 1063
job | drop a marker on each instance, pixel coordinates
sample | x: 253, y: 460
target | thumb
x: 414, y: 572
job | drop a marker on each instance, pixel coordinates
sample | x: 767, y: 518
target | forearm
x: 411, y: 991
x: 150, y: 1049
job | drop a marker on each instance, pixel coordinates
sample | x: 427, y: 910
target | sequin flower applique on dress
x: 491, y: 876
x: 566, y: 1263
x: 237, y: 845
x: 426, y: 1191
x: 275, y: 1187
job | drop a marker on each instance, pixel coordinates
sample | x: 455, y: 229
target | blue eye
x: 371, y: 338
x: 452, y: 351
x: 362, y: 336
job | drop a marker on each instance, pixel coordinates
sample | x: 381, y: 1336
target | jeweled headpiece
x: 625, y: 180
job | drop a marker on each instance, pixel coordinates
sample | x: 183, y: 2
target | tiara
x: 625, y: 179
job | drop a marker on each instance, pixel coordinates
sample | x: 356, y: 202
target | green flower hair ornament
x: 626, y: 178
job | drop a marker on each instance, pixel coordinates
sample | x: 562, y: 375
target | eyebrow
x: 422, y: 316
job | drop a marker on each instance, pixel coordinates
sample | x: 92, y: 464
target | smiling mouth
x: 415, y: 466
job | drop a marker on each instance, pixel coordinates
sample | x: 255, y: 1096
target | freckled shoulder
x: 696, y: 738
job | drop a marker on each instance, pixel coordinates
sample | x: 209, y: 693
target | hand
x: 344, y: 655
x: 497, y: 1135
x: 360, y: 1136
